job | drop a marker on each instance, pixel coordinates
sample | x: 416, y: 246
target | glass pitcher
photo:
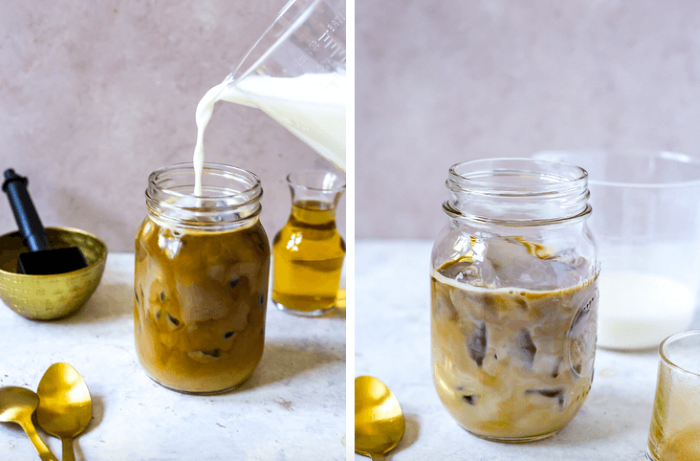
x: 295, y: 73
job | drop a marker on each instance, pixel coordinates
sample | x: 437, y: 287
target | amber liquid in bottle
x: 307, y: 259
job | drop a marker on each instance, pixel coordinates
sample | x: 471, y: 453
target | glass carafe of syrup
x: 308, y: 252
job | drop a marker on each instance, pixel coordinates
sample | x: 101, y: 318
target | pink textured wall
x: 440, y: 82
x: 96, y: 95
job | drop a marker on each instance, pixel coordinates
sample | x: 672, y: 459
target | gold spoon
x: 65, y: 406
x: 379, y: 423
x: 16, y: 406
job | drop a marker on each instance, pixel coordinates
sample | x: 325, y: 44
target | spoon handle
x: 44, y: 453
x: 68, y: 454
x: 378, y: 457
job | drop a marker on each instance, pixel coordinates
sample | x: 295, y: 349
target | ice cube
x: 509, y: 263
x: 526, y: 348
x: 471, y: 399
x: 557, y: 394
x: 211, y: 301
x: 173, y: 322
x: 169, y: 241
x: 570, y: 266
x: 464, y: 271
x: 209, y: 356
x: 477, y: 345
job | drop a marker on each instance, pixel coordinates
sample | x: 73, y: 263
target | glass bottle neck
x: 313, y: 212
x: 315, y: 196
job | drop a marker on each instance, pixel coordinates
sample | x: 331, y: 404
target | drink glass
x: 674, y: 433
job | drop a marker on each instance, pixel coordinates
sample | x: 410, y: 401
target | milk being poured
x: 311, y: 106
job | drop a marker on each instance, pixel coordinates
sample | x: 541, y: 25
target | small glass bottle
x: 514, y: 298
x: 201, y: 280
x: 308, y: 252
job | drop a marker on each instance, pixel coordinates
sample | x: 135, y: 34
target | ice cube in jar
x: 514, y: 299
x: 200, y: 291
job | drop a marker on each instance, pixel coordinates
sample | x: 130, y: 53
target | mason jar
x: 514, y: 298
x: 201, y: 279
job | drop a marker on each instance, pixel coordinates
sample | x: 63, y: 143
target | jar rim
x: 559, y: 177
x: 228, y: 171
x: 224, y: 207
x: 517, y: 192
x: 665, y: 355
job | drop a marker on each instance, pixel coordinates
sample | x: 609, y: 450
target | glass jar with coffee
x: 202, y: 270
x: 514, y: 298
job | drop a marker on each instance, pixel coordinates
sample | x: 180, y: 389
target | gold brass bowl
x: 49, y: 297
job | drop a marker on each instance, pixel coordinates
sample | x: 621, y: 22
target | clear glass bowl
x: 646, y: 219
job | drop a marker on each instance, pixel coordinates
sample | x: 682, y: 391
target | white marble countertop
x: 292, y: 408
x: 393, y: 344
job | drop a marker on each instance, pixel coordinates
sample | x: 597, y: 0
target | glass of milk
x: 646, y: 220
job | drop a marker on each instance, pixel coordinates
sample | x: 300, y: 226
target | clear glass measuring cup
x: 295, y: 73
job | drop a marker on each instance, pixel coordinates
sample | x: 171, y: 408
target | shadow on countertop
x: 336, y: 314
x: 282, y: 361
x: 609, y: 415
x: 108, y: 302
x: 409, y: 437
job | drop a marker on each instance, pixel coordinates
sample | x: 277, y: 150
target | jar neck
x: 517, y: 193
x: 230, y: 197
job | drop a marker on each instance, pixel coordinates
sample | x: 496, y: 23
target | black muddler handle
x: 30, y: 227
x: 40, y: 260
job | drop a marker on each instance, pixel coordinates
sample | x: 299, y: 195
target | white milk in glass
x: 311, y: 106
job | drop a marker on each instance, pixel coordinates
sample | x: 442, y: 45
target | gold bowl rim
x: 69, y: 229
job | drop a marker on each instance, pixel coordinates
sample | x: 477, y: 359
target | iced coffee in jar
x: 514, y: 298
x: 202, y: 270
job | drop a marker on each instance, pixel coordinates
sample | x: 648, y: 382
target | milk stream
x: 312, y: 107
x: 638, y: 311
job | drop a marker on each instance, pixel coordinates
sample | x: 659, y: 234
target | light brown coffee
x: 510, y: 363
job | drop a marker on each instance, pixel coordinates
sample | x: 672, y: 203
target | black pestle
x: 40, y: 260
